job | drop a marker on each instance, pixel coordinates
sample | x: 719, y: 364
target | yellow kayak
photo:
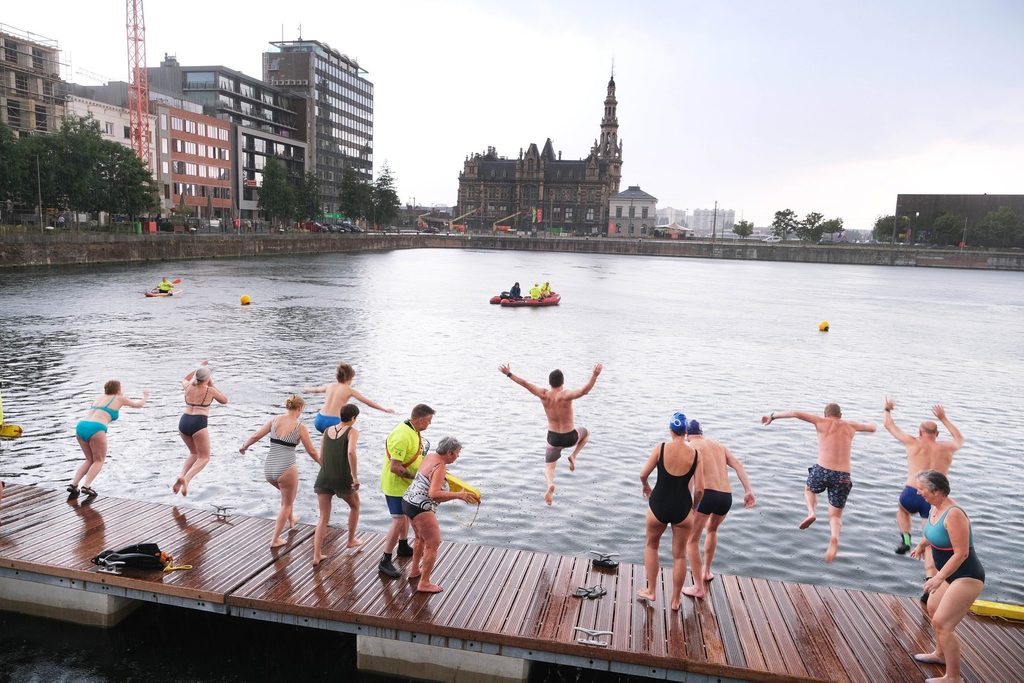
x: 455, y: 485
x: 998, y: 609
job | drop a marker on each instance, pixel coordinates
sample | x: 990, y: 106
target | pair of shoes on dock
x: 590, y: 592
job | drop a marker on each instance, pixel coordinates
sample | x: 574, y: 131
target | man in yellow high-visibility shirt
x: 535, y: 291
x: 403, y: 454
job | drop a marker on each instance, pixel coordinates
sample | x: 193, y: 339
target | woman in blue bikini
x: 91, y: 433
x: 192, y: 427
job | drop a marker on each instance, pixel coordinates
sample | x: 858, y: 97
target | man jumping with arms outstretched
x: 925, y: 452
x: 832, y: 471
x: 562, y: 433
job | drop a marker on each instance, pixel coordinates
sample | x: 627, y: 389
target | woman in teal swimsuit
x: 960, y: 577
x: 91, y: 433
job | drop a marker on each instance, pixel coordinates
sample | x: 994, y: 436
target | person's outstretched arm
x: 372, y: 404
x: 256, y: 436
x: 890, y: 425
x: 940, y: 413
x: 798, y: 414
x: 532, y: 388
x: 748, y: 492
x: 585, y: 389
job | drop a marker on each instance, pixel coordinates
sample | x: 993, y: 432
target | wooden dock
x: 496, y: 600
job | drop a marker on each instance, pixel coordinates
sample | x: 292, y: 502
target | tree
x: 809, y: 229
x: 124, y: 184
x: 81, y: 149
x: 948, y: 229
x: 743, y: 228
x: 276, y: 198
x: 832, y: 226
x: 385, y: 199
x: 8, y: 146
x: 999, y: 228
x: 883, y: 229
x: 356, y: 195
x: 785, y: 223
x: 307, y: 199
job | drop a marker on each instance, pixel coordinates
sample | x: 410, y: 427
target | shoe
x: 388, y: 569
x: 902, y: 548
x: 404, y: 549
x: 87, y: 490
x: 72, y: 491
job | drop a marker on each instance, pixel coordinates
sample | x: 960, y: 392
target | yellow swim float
x: 823, y: 326
x: 245, y: 300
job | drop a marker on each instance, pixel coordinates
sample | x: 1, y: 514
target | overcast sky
x: 816, y: 106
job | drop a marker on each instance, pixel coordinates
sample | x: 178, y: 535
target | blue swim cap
x: 694, y: 428
x: 678, y: 423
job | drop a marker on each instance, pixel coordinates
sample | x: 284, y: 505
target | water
x: 724, y: 341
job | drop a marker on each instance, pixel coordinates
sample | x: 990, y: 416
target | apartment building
x: 31, y: 93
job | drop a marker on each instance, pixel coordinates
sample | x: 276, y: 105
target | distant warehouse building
x: 923, y: 209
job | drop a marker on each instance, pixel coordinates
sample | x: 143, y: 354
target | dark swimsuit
x: 189, y: 425
x: 671, y: 501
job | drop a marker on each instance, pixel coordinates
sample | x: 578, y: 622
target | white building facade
x: 114, y: 123
x: 632, y: 213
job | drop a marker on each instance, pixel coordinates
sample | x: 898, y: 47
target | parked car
x: 772, y: 238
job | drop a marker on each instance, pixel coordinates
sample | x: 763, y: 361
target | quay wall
x: 59, y: 249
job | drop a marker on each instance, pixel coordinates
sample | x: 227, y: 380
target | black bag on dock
x: 139, y: 556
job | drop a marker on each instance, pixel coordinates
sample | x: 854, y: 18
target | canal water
x: 723, y: 341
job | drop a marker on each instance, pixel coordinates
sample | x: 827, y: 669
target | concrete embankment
x: 85, y: 248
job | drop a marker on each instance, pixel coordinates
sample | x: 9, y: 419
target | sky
x: 813, y: 105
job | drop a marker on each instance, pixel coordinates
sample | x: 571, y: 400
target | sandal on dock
x: 590, y: 592
x: 87, y: 490
x: 604, y: 560
x: 72, y: 491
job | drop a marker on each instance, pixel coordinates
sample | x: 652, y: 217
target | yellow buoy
x: 823, y: 326
x: 245, y: 300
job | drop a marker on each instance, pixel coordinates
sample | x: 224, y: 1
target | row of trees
x: 73, y: 169
x: 810, y: 228
x: 282, y: 199
x: 999, y: 228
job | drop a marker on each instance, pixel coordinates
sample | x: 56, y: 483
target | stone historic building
x: 539, y: 191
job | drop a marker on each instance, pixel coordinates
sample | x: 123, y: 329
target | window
x: 14, y: 113
x: 177, y: 124
x: 643, y: 212
x: 128, y: 134
x: 618, y: 212
x: 42, y: 124
x: 590, y: 214
x: 48, y: 88
x: 163, y: 121
x: 190, y: 127
x: 164, y: 168
x: 199, y: 79
x: 201, y: 130
x: 108, y: 127
x: 632, y: 212
x: 21, y: 82
x: 11, y: 51
x: 222, y: 133
x: 568, y: 213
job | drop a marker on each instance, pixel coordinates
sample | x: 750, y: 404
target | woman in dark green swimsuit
x: 338, y: 478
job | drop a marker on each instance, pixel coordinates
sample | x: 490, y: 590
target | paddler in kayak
x: 166, y: 287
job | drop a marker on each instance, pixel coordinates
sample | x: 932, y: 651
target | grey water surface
x: 724, y: 341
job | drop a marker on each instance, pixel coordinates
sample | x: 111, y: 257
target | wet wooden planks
x: 746, y: 628
x: 53, y: 535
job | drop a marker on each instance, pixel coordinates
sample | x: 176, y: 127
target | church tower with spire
x: 609, y: 148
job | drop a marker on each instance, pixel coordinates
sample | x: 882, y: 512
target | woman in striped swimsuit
x: 286, y: 432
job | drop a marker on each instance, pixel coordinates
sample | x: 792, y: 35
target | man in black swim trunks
x: 832, y: 471
x: 562, y: 433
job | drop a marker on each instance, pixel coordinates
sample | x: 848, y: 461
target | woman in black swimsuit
x: 199, y: 395
x: 670, y: 503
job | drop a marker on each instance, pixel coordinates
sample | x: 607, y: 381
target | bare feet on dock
x: 278, y: 543
x: 354, y: 543
x: 833, y: 549
x: 316, y: 560
x: 929, y: 658
x: 944, y: 679
x: 428, y: 588
x: 549, y: 497
x: 645, y: 597
x: 693, y: 592
x: 708, y: 577
x: 293, y: 523
x: 809, y: 520
x: 178, y: 483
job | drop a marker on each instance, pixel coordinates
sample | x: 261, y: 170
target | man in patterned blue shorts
x: 832, y: 471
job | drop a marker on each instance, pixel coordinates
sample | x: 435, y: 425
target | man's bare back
x: 925, y: 452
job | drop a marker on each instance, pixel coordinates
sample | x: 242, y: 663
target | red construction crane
x: 138, y: 85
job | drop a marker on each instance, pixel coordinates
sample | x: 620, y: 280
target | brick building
x: 540, y: 191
